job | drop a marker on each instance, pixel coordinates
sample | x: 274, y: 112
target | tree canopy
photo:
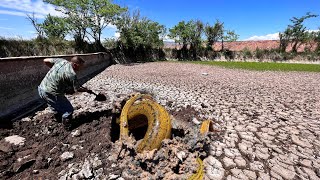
x: 136, y: 31
x: 296, y: 33
x: 88, y: 16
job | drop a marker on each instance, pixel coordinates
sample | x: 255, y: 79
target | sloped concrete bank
x: 20, y: 76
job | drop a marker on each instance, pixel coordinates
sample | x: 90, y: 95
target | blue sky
x: 251, y: 19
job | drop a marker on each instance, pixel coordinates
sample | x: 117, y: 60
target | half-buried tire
x: 158, y: 121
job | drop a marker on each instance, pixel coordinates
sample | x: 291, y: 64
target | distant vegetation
x: 263, y: 66
x: 141, y: 39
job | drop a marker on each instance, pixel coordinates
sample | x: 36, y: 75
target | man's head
x: 77, y: 63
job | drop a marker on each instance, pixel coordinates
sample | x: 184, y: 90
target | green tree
x: 54, y: 27
x: 88, y: 16
x: 213, y: 33
x: 101, y: 14
x: 196, y: 40
x: 76, y: 12
x: 188, y: 33
x: 139, y: 34
x: 295, y: 34
x: 229, y: 36
x: 181, y: 34
x: 317, y: 40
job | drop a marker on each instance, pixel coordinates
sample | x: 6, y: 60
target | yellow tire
x: 158, y: 121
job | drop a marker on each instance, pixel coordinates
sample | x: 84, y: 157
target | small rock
x: 76, y: 133
x: 49, y: 160
x: 66, y: 156
x: 181, y: 155
x: 86, y: 170
x: 96, y: 163
x: 35, y: 171
x: 195, y: 121
x: 75, y: 147
x: 55, y: 149
x: 15, y: 139
x: 113, y: 176
x: 26, y: 119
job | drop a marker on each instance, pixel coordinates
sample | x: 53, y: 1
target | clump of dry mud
x: 176, y: 158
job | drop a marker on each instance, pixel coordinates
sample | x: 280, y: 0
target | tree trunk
x: 222, y: 45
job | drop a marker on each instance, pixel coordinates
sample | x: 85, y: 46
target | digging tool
x: 99, y: 97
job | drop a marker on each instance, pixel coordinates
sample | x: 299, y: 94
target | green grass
x: 261, y: 66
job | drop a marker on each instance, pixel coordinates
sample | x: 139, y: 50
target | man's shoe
x: 66, y: 123
x: 57, y: 117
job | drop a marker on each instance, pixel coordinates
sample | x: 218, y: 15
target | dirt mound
x: 91, y: 150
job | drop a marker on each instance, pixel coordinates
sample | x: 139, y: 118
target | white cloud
x: 16, y: 13
x: 23, y: 7
x: 274, y: 36
x: 8, y: 35
x: 167, y: 39
x: 6, y: 28
x: 111, y: 26
x: 317, y: 30
x: 116, y: 35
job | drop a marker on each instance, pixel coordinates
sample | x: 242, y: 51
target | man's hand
x: 90, y: 91
x: 84, y: 89
x: 47, y: 61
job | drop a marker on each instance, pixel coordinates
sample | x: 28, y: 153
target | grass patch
x: 261, y: 66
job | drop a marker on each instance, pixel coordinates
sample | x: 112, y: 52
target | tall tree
x: 76, y: 12
x: 317, y: 40
x: 187, y: 33
x: 54, y: 27
x: 229, y: 36
x: 213, y: 33
x: 180, y: 33
x: 196, y: 40
x: 88, y: 16
x: 101, y: 14
x: 139, y: 34
x: 37, y: 26
x: 296, y: 33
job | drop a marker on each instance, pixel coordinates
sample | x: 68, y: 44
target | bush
x: 228, y: 54
x: 259, y: 54
x: 110, y: 43
x: 35, y: 47
x: 246, y: 53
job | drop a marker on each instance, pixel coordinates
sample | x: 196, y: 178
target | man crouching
x: 61, y: 79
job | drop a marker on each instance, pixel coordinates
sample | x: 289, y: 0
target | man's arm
x: 83, y: 89
x: 49, y: 62
x: 78, y: 88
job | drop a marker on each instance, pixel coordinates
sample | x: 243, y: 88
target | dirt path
x: 269, y: 124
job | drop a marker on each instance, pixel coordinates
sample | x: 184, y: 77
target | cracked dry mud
x: 269, y: 126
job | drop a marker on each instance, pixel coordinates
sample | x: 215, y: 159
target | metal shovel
x: 99, y: 97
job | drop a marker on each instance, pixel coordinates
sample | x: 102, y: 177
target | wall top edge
x: 53, y: 56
